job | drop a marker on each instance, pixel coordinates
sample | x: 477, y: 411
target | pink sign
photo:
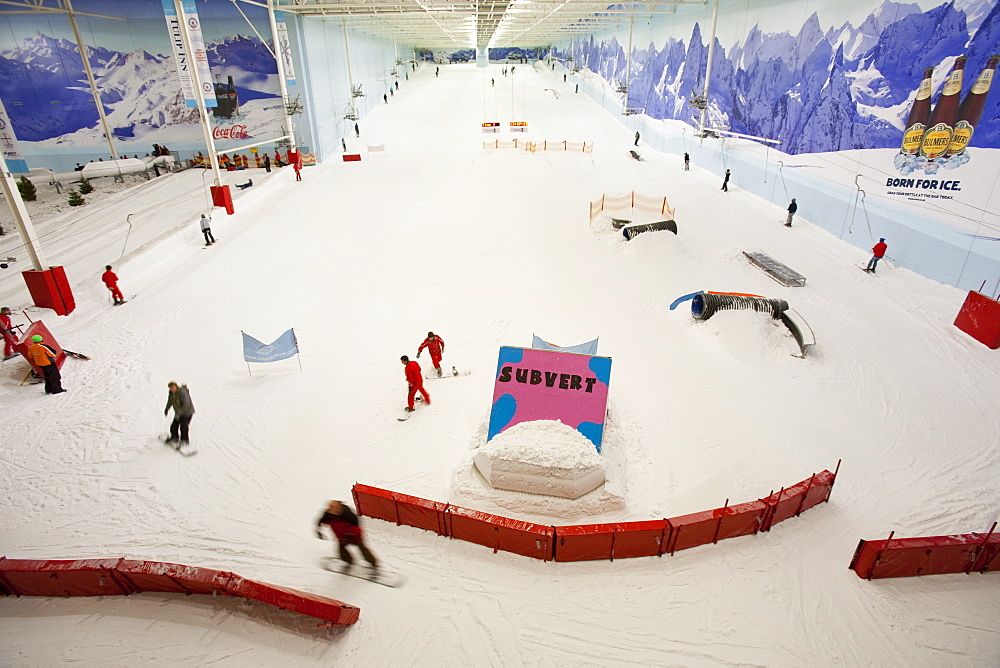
x: 551, y: 385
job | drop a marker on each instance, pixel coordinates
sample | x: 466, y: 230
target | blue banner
x: 588, y: 348
x: 281, y: 348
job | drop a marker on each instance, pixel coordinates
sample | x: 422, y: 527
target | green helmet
x: 37, y: 338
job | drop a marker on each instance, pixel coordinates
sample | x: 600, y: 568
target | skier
x: 344, y: 525
x: 297, y: 166
x: 45, y: 359
x: 725, y: 182
x: 687, y: 162
x: 792, y: 208
x: 7, y: 331
x: 415, y: 380
x: 878, y: 252
x: 397, y: 84
x: 180, y: 400
x: 493, y: 81
x: 385, y: 98
x: 357, y: 131
x: 564, y: 78
x: 206, y: 229
x: 636, y: 138
x: 434, y: 344
x: 577, y: 88
x: 111, y: 280
x: 437, y: 70
x: 344, y: 144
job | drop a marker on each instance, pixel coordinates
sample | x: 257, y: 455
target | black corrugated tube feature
x: 633, y: 230
x: 705, y: 304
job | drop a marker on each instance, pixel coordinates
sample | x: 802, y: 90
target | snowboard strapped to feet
x: 381, y: 576
x: 185, y: 449
x: 446, y: 374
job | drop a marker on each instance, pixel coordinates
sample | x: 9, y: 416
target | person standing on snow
x: 725, y: 182
x: 344, y: 525
x: 878, y: 252
x: 415, y: 379
x: 45, y: 359
x: 180, y: 400
x: 435, y: 344
x: 637, y: 138
x: 792, y: 208
x: 7, y: 331
x: 111, y: 280
x: 206, y: 229
x: 687, y: 162
x: 267, y: 163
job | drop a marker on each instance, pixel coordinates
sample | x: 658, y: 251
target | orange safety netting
x: 534, y: 146
x: 632, y: 200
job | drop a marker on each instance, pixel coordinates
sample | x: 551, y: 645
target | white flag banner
x: 186, y: 61
x: 283, y: 47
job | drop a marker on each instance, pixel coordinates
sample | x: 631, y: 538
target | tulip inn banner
x: 194, y: 61
x: 281, y: 348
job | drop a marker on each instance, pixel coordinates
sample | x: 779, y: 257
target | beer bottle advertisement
x: 920, y: 112
x: 972, y: 108
x: 940, y: 127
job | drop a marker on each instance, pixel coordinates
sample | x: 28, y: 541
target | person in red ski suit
x: 111, y: 280
x: 344, y: 525
x: 415, y: 380
x: 435, y: 344
x: 7, y: 331
x: 878, y: 252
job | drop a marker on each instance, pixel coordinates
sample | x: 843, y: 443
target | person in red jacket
x: 415, y: 380
x: 344, y: 525
x: 435, y: 344
x: 878, y: 252
x: 7, y: 331
x: 111, y: 280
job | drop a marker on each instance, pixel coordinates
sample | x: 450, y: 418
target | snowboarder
x: 344, y: 525
x: 267, y: 163
x: 493, y: 81
x: 415, y: 380
x: 435, y: 345
x: 792, y: 208
x: 437, y: 70
x: 206, y: 229
x: 111, y: 281
x: 564, y: 78
x: 397, y: 84
x: 637, y: 138
x: 725, y: 182
x: 278, y: 162
x: 180, y: 400
x: 878, y: 252
x: 385, y: 98
x: 45, y: 359
x: 344, y: 144
x: 577, y: 88
x: 687, y: 162
x: 357, y: 131
x: 9, y: 337
x: 244, y: 186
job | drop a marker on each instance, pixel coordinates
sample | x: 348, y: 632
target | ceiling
x: 463, y: 24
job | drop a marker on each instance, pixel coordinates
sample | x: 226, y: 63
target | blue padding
x: 683, y: 299
x: 593, y: 431
x: 508, y: 355
x: 501, y: 415
x: 601, y: 366
x: 697, y: 304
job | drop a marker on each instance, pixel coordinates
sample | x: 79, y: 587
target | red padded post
x: 222, y: 197
x: 979, y: 317
x: 352, y: 157
x: 50, y: 289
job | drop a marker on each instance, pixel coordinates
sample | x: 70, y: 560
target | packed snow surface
x: 544, y: 443
x: 484, y: 248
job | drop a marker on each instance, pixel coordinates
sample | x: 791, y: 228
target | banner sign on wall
x: 284, y: 48
x: 491, y: 127
x: 16, y: 164
x: 185, y: 61
x: 551, y: 385
x: 518, y: 126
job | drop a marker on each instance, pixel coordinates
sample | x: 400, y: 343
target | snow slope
x: 486, y: 248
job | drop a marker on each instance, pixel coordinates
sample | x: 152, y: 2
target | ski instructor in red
x: 111, y: 280
x: 435, y: 344
x: 415, y: 379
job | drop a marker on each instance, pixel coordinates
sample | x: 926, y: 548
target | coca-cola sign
x: 232, y: 132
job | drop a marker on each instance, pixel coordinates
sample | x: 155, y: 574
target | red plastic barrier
x: 400, y: 508
x: 352, y: 157
x: 375, y: 502
x: 980, y: 319
x: 38, y: 327
x: 50, y: 289
x: 101, y: 577
x: 928, y: 555
x: 500, y: 533
x: 608, y: 541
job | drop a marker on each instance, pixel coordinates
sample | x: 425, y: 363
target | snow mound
x: 545, y: 443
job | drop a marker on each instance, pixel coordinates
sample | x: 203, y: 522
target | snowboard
x: 404, y: 416
x: 445, y: 373
x: 364, y: 572
x: 186, y: 450
x: 73, y: 353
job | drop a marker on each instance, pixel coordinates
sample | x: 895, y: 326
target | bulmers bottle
x: 937, y: 137
x: 916, y: 122
x: 972, y: 108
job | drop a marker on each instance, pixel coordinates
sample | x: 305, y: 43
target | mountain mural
x: 822, y: 89
x: 44, y: 85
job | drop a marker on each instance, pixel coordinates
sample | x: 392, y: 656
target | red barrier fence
x: 619, y: 540
x: 929, y: 555
x: 105, y: 577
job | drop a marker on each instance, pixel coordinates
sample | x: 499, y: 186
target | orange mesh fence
x: 632, y: 200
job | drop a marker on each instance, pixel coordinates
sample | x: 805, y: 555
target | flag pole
x: 298, y: 353
x: 245, y: 357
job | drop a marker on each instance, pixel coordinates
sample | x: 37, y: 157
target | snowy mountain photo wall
x: 835, y: 85
x: 44, y: 86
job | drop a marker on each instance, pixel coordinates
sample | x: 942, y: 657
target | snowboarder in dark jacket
x: 344, y: 525
x: 180, y: 400
x: 725, y: 182
x: 792, y: 208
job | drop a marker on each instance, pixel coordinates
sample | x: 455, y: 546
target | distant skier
x: 244, y: 186
x: 385, y: 98
x: 267, y: 163
x: 357, y: 131
x: 878, y: 252
x: 687, y: 162
x: 180, y: 400
x: 7, y: 331
x: 792, y: 208
x: 44, y: 358
x: 564, y: 78
x: 344, y: 144
x: 434, y: 345
x: 297, y: 166
x: 111, y: 281
x: 437, y: 71
x: 397, y: 84
x: 725, y: 182
x: 636, y: 138
x: 344, y: 525
x: 278, y: 162
x: 206, y: 229
x: 577, y: 88
x: 493, y: 81
x: 415, y: 380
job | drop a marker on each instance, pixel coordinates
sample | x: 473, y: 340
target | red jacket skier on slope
x: 435, y: 344
x: 415, y: 380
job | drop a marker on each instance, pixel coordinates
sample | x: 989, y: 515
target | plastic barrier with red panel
x: 928, y: 555
x: 50, y: 288
x: 980, y: 319
x: 38, y: 327
x: 500, y: 533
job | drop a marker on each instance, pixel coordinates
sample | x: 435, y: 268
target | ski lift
x: 698, y: 101
x: 622, y: 88
x: 631, y: 111
x: 350, y: 114
x: 356, y: 91
x: 293, y: 107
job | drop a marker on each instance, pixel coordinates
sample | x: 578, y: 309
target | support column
x: 21, y: 219
x: 289, y: 125
x: 90, y: 77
